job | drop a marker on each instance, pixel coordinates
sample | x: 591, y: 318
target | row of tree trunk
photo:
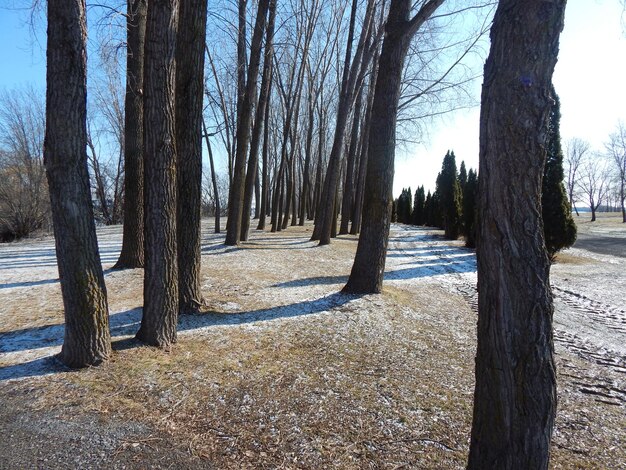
x: 515, y: 396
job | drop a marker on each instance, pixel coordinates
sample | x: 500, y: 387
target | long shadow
x: 212, y: 249
x: 434, y: 269
x: 424, y: 268
x: 49, y: 260
x: 35, y: 368
x: 11, y: 285
x: 127, y: 323
x: 612, y: 246
x: 310, y: 281
x: 42, y: 282
x: 36, y: 253
x: 425, y: 251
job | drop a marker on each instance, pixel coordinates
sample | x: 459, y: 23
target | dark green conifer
x: 470, y: 194
x: 419, y: 214
x: 462, y: 176
x: 449, y: 192
x: 558, y: 224
x: 404, y: 206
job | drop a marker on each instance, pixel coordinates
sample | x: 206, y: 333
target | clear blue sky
x: 22, y: 58
x: 589, y: 78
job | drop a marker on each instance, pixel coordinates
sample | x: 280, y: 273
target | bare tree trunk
x: 357, y: 214
x: 324, y: 212
x: 317, y: 192
x: 87, y: 340
x: 235, y: 199
x: 257, y: 193
x: 348, y: 187
x: 350, y: 80
x: 266, y: 85
x: 132, y: 255
x: 369, y: 263
x: 515, y: 395
x: 228, y: 141
x: 216, y: 193
x: 265, y: 184
x: 308, y: 151
x: 160, y: 311
x: 189, y: 93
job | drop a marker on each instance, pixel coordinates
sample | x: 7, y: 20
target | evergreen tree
x: 432, y: 211
x: 449, y: 192
x: 419, y: 214
x: 463, y: 176
x: 394, y: 211
x: 404, y: 206
x: 558, y: 225
x: 469, y: 209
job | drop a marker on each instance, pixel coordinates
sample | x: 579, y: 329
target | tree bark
x: 216, y: 193
x: 189, y: 93
x: 265, y: 184
x: 160, y: 311
x: 350, y: 83
x: 264, y: 96
x: 357, y: 215
x: 369, y: 263
x: 348, y: 186
x: 235, y: 199
x: 132, y: 254
x: 326, y: 207
x: 87, y: 340
x: 308, y: 151
x: 515, y: 395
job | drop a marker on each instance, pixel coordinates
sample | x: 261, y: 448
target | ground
x: 285, y: 372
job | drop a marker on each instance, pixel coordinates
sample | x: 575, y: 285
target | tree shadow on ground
x: 11, y: 285
x: 124, y: 325
x: 418, y: 269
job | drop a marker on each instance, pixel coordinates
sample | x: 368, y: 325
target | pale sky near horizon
x: 589, y: 79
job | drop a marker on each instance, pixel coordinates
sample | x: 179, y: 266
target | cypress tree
x: 449, y: 192
x: 419, y: 214
x: 404, y: 206
x: 469, y: 208
x: 558, y: 224
x: 463, y: 176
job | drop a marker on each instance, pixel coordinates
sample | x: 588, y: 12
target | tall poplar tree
x: 87, y: 340
x: 515, y: 392
x: 369, y: 263
x: 132, y: 254
x: 190, y: 44
x: 160, y: 289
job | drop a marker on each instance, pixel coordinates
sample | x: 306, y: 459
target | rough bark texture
x: 87, y: 339
x: 355, y: 228
x: 235, y: 199
x: 216, y: 193
x: 515, y: 396
x: 253, y: 160
x: 189, y: 91
x: 326, y: 207
x: 349, y: 186
x: 132, y: 255
x: 160, y: 311
x: 369, y: 263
